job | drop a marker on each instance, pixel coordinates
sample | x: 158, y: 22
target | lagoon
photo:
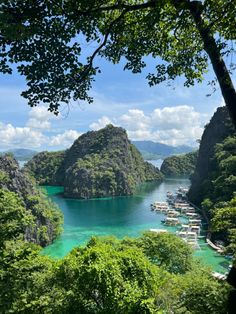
x: 118, y: 216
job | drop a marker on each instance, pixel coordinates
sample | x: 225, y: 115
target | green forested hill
x: 44, y: 167
x: 181, y: 165
x: 214, y: 149
x: 19, y: 196
x: 214, y: 180
x: 154, y: 150
x: 99, y: 163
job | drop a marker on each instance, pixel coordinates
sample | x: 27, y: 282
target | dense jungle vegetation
x: 180, y: 165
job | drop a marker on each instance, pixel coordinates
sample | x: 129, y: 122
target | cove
x: 118, y: 216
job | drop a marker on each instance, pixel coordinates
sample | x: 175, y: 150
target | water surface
x: 118, y: 216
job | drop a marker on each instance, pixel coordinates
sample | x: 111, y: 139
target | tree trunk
x: 213, y: 51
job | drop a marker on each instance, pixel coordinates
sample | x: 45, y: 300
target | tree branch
x: 127, y: 8
x: 88, y: 67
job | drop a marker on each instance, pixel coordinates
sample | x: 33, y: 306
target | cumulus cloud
x: 135, y: 119
x: 169, y: 125
x: 20, y: 137
x: 64, y: 139
x: 39, y: 118
x: 101, y: 123
x: 36, y: 133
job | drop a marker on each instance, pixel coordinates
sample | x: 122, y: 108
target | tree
x: 167, y: 251
x: 44, y: 39
x: 224, y: 221
x: 14, y: 218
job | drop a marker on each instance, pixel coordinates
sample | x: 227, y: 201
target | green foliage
x: 224, y: 221
x: 4, y: 177
x: 182, y: 165
x: 44, y: 167
x: 101, y: 163
x: 20, y: 197
x: 105, y: 276
x: 105, y: 163
x: 180, y: 33
x: 49, y: 218
x: 193, y: 293
x: 223, y: 172
x: 167, y: 251
x: 14, y: 218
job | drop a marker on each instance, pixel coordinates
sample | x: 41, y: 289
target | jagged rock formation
x: 99, y: 163
x: 46, y: 218
x: 180, y: 165
x: 216, y: 131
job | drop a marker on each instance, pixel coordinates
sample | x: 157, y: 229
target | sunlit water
x: 118, y: 216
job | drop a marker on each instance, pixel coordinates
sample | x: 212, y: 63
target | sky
x: 173, y: 115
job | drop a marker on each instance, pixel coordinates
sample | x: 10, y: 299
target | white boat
x: 172, y: 213
x: 171, y: 221
x: 159, y: 230
x: 195, y: 222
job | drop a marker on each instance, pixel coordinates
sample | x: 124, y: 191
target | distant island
x: 153, y: 150
x: 99, y: 163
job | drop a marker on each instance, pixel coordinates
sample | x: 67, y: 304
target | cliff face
x: 99, y: 163
x: 46, y: 218
x: 181, y: 165
x: 218, y: 129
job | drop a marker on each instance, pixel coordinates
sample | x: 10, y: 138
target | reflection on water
x: 118, y: 216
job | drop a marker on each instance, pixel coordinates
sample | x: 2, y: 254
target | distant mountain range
x: 151, y: 150
x: 21, y: 153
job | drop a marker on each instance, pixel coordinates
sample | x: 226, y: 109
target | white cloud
x: 170, y: 125
x: 64, y: 139
x: 135, y: 119
x: 102, y: 122
x: 20, y: 137
x: 39, y: 118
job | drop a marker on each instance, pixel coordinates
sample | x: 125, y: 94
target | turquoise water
x: 118, y: 216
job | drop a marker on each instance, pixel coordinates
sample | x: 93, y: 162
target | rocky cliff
x: 180, y: 165
x: 47, y: 219
x: 216, y: 131
x: 100, y: 163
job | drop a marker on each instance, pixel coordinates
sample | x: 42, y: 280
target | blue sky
x: 173, y: 115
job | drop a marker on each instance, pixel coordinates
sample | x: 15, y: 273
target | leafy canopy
x: 45, y: 40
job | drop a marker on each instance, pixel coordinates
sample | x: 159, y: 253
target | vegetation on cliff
x: 19, y: 196
x: 44, y: 167
x: 181, y: 165
x: 214, y: 180
x: 99, y: 163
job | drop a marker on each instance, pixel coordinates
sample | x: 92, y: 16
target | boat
x: 195, y: 222
x: 171, y: 221
x: 192, y: 215
x: 158, y: 230
x: 172, y: 213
